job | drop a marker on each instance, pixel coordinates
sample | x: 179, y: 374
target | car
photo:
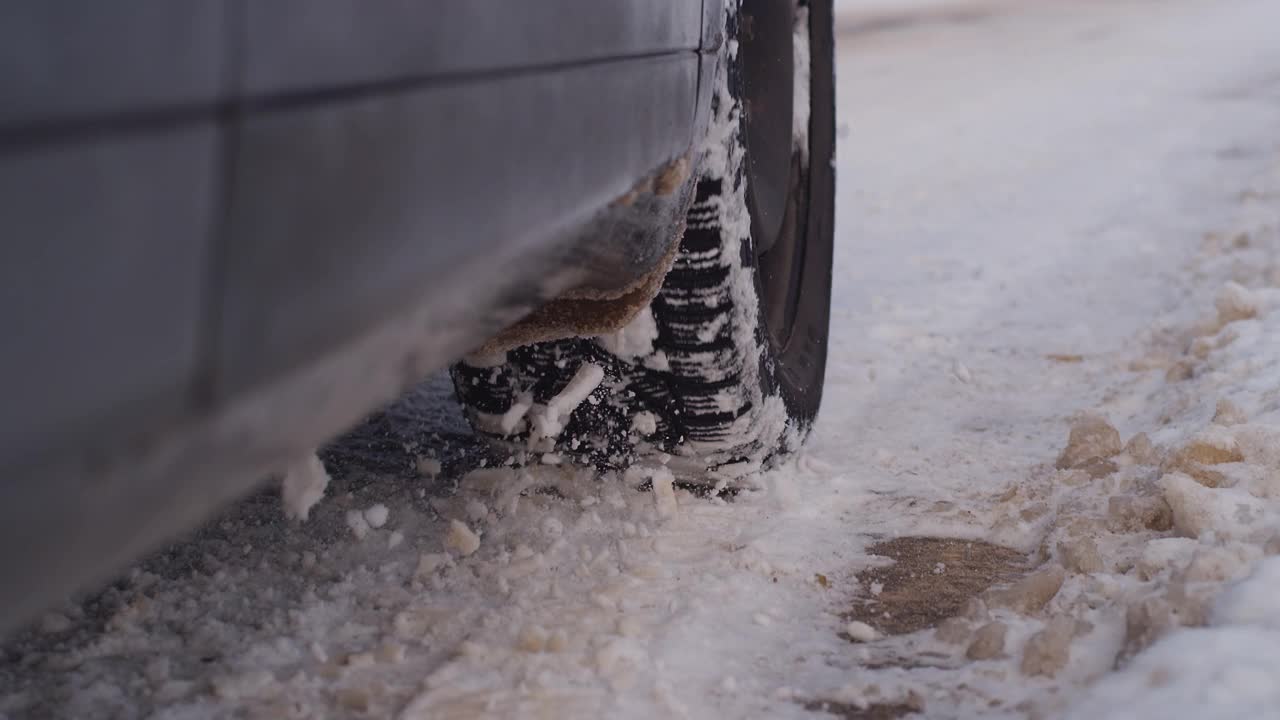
x: 236, y: 228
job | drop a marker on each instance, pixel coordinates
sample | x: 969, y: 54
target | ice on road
x: 1043, y: 484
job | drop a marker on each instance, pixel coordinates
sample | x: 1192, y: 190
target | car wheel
x: 723, y: 371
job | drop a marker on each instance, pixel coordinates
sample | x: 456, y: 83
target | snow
x: 1234, y: 302
x: 357, y: 523
x: 861, y: 632
x: 1048, y: 651
x: 635, y: 339
x: 513, y: 419
x: 988, y: 642
x: 302, y: 487
x: 1033, y: 255
x: 548, y: 420
x: 428, y: 563
x: 427, y: 467
x: 1225, y: 674
x: 461, y: 538
x: 664, y: 494
x: 862, y: 8
x: 376, y: 515
x: 1252, y: 601
x: 645, y: 423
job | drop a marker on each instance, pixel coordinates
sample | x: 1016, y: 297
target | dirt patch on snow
x: 930, y: 580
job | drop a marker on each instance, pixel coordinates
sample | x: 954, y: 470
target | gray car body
x: 235, y: 227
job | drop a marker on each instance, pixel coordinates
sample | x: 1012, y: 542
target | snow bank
x: 852, y: 13
x: 853, y: 8
x: 1200, y: 592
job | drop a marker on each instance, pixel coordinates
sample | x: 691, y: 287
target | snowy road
x: 1041, y: 209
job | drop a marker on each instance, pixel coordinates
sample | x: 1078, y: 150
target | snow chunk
x: 428, y: 563
x: 988, y: 642
x: 953, y: 631
x: 428, y: 467
x: 1030, y: 594
x: 1081, y: 555
x: 861, y: 632
x: 551, y: 527
x: 1164, y: 554
x: 476, y: 510
x: 460, y: 537
x: 1220, y: 563
x: 303, y: 486
x: 1091, y: 437
x: 1260, y: 444
x: 1141, y: 451
x: 644, y: 423
x: 634, y: 340
x: 1048, y: 651
x: 1133, y: 513
x: 1228, y: 413
x: 357, y: 523
x: 1145, y: 622
x: 376, y: 515
x: 664, y: 494
x: 513, y: 418
x: 548, y: 420
x: 1189, y: 501
x: 532, y: 639
x: 1228, y: 513
x: 1215, y: 445
x: 1235, y: 302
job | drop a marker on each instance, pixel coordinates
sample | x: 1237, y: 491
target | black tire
x: 733, y: 375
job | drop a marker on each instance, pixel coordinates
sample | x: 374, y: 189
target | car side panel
x: 102, y: 284
x: 206, y: 276
x: 63, y: 60
x: 294, y: 46
x: 344, y: 212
